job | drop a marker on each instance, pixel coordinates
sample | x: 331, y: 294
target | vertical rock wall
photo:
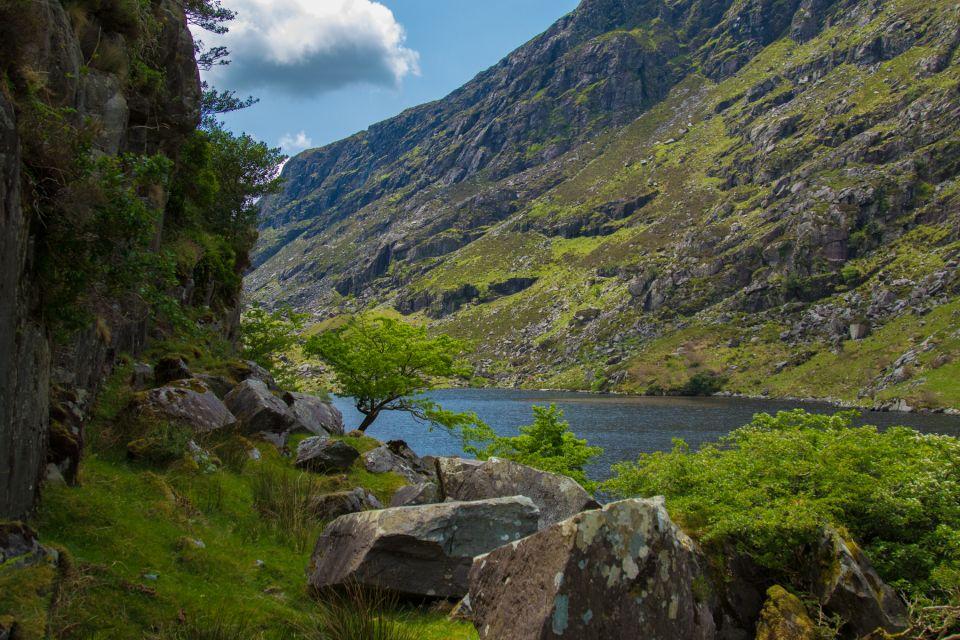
x: 127, y: 120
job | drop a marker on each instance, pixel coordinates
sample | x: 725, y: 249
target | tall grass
x: 358, y: 613
x: 284, y: 502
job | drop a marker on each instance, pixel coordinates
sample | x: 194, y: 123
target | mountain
x: 758, y: 196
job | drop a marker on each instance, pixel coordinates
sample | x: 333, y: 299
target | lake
x: 624, y: 426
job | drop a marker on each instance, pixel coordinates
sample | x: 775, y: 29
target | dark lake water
x: 624, y: 426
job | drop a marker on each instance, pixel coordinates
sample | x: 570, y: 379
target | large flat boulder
x: 846, y: 583
x: 259, y: 410
x: 424, y: 551
x: 314, y: 414
x: 558, y: 497
x: 414, y: 494
x: 624, y: 571
x: 189, y: 402
x: 324, y: 455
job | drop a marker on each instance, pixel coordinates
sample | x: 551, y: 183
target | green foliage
x: 285, y: 502
x: 770, y: 486
x: 267, y: 335
x: 702, y: 383
x: 164, y: 444
x: 382, y: 363
x: 547, y: 444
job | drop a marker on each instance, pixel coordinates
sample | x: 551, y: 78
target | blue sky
x: 325, y: 69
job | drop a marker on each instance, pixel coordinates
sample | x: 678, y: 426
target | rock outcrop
x: 847, y: 585
x: 188, y: 402
x: 558, y: 497
x: 257, y: 409
x: 314, y: 414
x: 422, y: 551
x: 396, y: 457
x: 623, y: 571
x: 339, y: 503
x: 785, y: 618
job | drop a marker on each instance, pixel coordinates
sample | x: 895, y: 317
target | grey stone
x: 624, y: 571
x: 414, y: 494
x: 418, y: 551
x: 259, y: 410
x: 171, y: 370
x: 324, y: 455
x: 558, y: 497
x: 334, y: 505
x: 141, y: 376
x: 396, y: 457
x: 847, y: 585
x: 314, y: 414
x: 189, y: 402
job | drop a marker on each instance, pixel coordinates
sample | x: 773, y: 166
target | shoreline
x: 894, y: 406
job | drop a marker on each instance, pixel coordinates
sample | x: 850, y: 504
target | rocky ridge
x: 748, y: 188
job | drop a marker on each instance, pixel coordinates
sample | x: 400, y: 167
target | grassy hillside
x: 749, y: 218
x: 181, y: 551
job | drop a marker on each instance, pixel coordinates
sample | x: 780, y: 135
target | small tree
x: 266, y: 335
x: 384, y: 363
x: 548, y: 444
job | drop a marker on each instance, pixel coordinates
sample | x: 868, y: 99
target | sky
x: 325, y: 69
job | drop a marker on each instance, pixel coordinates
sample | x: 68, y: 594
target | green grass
x: 172, y: 551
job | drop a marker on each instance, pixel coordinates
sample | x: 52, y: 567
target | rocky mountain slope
x: 663, y: 195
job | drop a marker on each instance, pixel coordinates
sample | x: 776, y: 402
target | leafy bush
x: 548, y: 444
x: 166, y: 443
x: 266, y: 335
x: 770, y: 486
x: 704, y: 383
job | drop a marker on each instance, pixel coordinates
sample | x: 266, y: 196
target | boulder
x: 623, y: 571
x: 170, y: 370
x: 324, y: 455
x: 218, y: 384
x: 253, y: 371
x: 558, y: 497
x: 141, y: 376
x: 785, y: 618
x: 334, y: 505
x: 847, y: 585
x: 259, y: 410
x: 188, y: 402
x: 397, y: 457
x: 315, y: 415
x: 424, y: 551
x: 414, y: 494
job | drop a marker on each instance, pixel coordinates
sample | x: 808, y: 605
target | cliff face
x: 89, y: 68
x: 656, y: 189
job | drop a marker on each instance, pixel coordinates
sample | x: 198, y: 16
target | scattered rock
x: 859, y: 330
x: 324, y: 455
x: 623, y: 571
x: 847, y: 585
x: 784, y: 618
x: 188, y: 402
x: 397, y: 457
x: 334, y: 505
x: 558, y: 497
x: 253, y: 371
x: 171, y: 369
x: 416, y: 494
x: 315, y: 415
x: 259, y: 410
x: 218, y: 384
x: 418, y: 551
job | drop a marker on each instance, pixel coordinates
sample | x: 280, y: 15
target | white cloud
x: 306, y: 47
x: 295, y: 143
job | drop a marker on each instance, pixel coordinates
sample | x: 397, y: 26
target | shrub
x: 704, y: 383
x: 166, y: 443
x: 265, y: 336
x: 548, y: 444
x: 770, y: 486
